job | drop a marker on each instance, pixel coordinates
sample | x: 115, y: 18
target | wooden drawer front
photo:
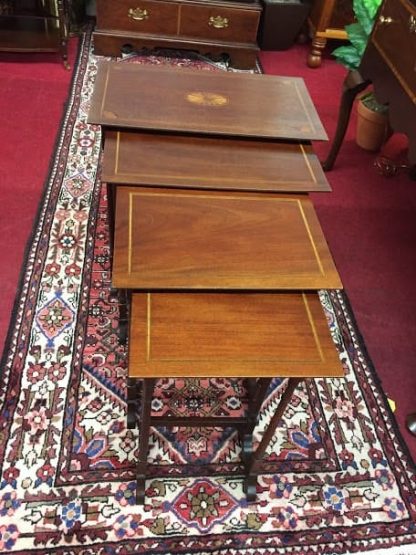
x: 227, y: 24
x: 138, y: 16
x: 395, y: 38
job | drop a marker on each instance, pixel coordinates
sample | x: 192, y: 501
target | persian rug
x: 336, y: 478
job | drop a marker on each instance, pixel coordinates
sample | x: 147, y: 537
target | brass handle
x: 412, y: 24
x: 218, y: 22
x: 385, y: 20
x: 138, y: 14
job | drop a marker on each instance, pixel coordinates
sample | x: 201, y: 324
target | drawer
x: 138, y: 16
x: 219, y: 23
x: 394, y: 34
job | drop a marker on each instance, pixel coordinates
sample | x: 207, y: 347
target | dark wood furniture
x: 215, y: 273
x: 326, y: 21
x: 34, y: 26
x: 389, y: 64
x: 216, y: 27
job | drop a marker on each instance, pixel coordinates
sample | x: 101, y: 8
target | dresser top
x: 131, y: 95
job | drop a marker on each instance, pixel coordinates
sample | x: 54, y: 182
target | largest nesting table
x: 214, y: 236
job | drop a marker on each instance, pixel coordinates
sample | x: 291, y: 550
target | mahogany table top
x: 228, y: 335
x: 209, y: 162
x: 207, y: 240
x: 129, y: 95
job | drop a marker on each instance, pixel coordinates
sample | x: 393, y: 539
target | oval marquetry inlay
x: 207, y: 99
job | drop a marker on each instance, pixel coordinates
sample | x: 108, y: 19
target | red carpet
x: 370, y: 224
x: 33, y: 92
x: 368, y: 219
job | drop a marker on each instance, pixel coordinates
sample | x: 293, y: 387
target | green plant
x: 370, y: 102
x: 358, y: 33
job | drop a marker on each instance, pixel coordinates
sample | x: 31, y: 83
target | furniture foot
x: 243, y: 59
x: 411, y: 423
x: 353, y: 84
x: 315, y: 55
x: 246, y: 440
x: 123, y: 316
x: 133, y: 392
x: 140, y: 489
x: 144, y: 430
x: 250, y: 488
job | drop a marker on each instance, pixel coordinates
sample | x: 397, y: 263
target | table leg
x: 111, y: 208
x: 257, y: 389
x: 353, y: 84
x: 315, y: 55
x: 133, y: 393
x: 252, y: 468
x: 144, y: 429
x: 63, y: 28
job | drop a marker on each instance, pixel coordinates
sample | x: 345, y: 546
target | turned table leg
x: 411, y: 423
x: 315, y: 55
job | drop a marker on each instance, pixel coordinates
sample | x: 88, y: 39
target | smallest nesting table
x: 251, y: 336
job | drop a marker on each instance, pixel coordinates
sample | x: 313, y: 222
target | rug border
x: 377, y: 380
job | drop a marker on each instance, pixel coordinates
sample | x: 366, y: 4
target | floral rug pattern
x: 335, y: 479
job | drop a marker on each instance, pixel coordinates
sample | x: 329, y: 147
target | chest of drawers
x: 209, y: 27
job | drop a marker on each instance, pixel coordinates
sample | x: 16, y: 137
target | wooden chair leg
x: 252, y: 468
x: 144, y: 430
x: 353, y: 84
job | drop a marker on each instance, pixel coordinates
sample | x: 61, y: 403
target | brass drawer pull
x: 138, y: 14
x: 218, y: 22
x: 412, y: 24
x: 385, y: 20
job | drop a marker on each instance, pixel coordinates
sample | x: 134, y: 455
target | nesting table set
x: 214, y: 238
